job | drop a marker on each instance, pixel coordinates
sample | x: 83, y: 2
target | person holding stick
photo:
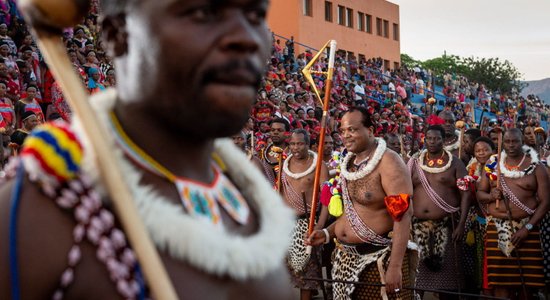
x: 372, y: 234
x: 220, y: 229
x: 513, y: 253
x: 297, y: 181
x: 279, y: 128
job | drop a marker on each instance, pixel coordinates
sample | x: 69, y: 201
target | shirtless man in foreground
x: 375, y: 226
x: 523, y: 199
x: 202, y: 63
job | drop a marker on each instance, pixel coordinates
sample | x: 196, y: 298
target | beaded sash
x: 434, y: 197
x: 294, y: 199
x: 513, y: 198
x: 361, y: 230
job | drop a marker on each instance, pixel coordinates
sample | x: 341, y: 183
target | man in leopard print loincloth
x: 372, y: 234
x: 434, y: 174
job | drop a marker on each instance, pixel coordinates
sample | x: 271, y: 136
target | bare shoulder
x: 395, y: 176
x: 459, y: 167
x: 44, y: 237
x: 391, y: 161
x: 541, y: 170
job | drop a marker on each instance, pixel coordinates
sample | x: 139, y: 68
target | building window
x: 386, y: 64
x: 341, y: 14
x: 395, y: 65
x: 395, y: 32
x: 379, y: 26
x: 361, y: 21
x: 328, y: 11
x: 368, y: 23
x: 349, y: 17
x: 386, y: 29
x: 308, y: 10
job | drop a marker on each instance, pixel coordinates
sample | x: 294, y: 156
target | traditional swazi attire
x: 55, y: 161
x: 438, y: 268
x: 367, y: 262
x: 505, y: 264
x: 474, y: 237
x: 300, y: 263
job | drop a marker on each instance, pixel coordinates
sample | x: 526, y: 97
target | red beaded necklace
x: 432, y: 162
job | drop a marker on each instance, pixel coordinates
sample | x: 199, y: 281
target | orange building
x: 363, y: 28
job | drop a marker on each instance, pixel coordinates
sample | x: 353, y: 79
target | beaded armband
x: 465, y: 182
x: 397, y: 205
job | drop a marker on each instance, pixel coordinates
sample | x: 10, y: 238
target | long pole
x: 461, y: 138
x: 320, y: 148
x: 499, y: 154
x: 280, y: 151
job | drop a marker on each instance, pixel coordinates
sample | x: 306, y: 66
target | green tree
x: 497, y: 75
x: 408, y: 61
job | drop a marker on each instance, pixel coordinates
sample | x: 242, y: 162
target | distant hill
x: 540, y: 88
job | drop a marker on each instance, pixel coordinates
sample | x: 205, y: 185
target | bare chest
x: 526, y: 184
x: 367, y: 190
x: 445, y: 179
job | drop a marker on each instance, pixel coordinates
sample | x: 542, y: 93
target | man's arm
x: 41, y: 225
x: 396, y: 179
x: 485, y: 194
x: 543, y: 183
x: 465, y: 201
x: 324, y: 210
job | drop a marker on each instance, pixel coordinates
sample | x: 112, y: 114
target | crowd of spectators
x: 387, y: 93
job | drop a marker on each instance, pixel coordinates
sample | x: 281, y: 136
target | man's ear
x: 371, y: 129
x: 115, y: 35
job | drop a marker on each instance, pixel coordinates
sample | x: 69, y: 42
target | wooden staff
x: 252, y: 148
x: 499, y: 154
x: 58, y: 15
x: 402, y: 146
x: 473, y: 104
x: 320, y: 148
x: 280, y: 151
x: 460, y: 125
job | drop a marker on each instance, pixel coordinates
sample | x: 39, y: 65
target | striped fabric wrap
x: 503, y: 271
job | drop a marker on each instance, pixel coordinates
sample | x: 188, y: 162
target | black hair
x: 437, y: 128
x: 485, y: 140
x: 515, y: 131
x: 307, y: 140
x: 366, y: 121
x: 281, y: 121
x: 474, y: 133
x: 32, y: 86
